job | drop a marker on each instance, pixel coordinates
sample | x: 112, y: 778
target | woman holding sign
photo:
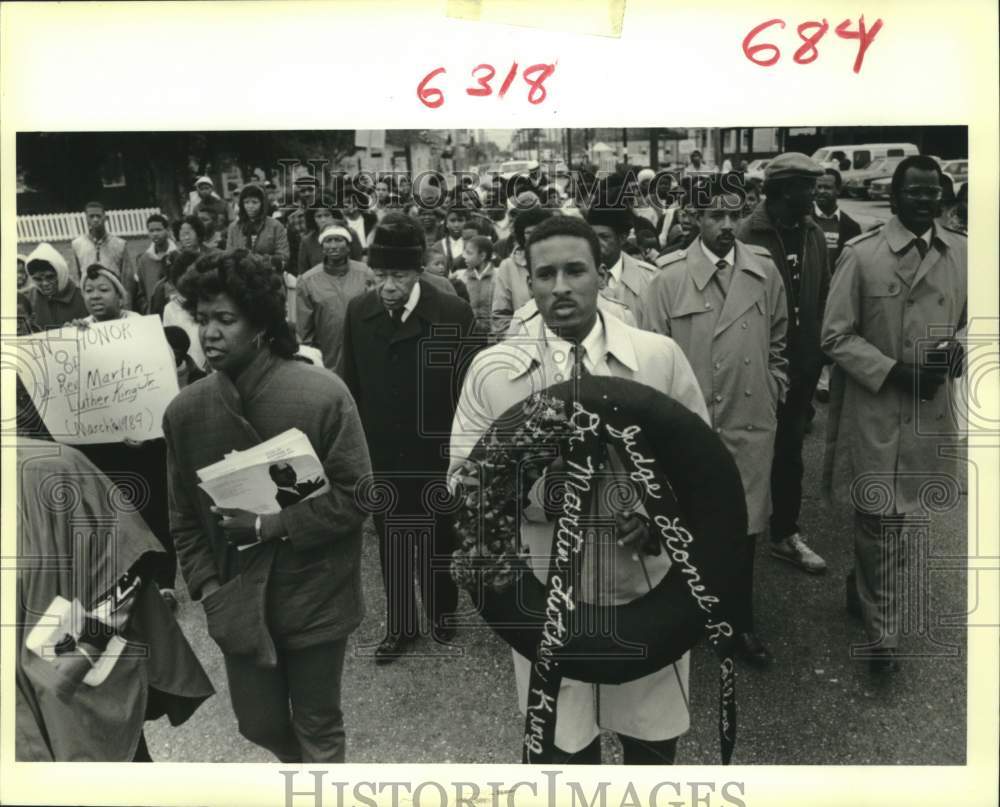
x: 139, y: 468
x: 281, y: 589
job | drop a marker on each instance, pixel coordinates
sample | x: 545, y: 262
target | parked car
x: 879, y: 190
x: 850, y: 159
x: 857, y: 185
x: 957, y: 171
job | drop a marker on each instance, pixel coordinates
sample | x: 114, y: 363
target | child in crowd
x: 436, y: 263
x: 478, y: 279
x: 454, y: 241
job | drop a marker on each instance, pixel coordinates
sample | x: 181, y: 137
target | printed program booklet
x: 267, y: 478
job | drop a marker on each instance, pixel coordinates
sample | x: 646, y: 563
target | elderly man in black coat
x: 405, y: 349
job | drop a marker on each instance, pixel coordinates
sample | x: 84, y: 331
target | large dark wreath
x: 690, y: 488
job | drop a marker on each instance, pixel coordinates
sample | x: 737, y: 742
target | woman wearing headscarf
x: 324, y: 292
x: 65, y: 505
x: 55, y: 298
x: 257, y: 232
x: 310, y: 250
x: 281, y: 608
x: 131, y: 460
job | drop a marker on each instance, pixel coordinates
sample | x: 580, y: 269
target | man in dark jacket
x: 404, y: 345
x: 782, y: 223
x: 839, y: 228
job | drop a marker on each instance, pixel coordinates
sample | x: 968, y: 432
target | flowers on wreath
x: 495, y: 482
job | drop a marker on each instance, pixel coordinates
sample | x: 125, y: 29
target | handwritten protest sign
x: 100, y: 384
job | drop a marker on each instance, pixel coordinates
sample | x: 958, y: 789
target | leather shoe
x: 752, y: 649
x: 884, y: 663
x: 390, y: 649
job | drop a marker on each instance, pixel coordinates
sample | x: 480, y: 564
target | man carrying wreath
x: 570, y: 338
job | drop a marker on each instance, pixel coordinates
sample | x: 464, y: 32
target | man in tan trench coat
x: 894, y: 315
x: 723, y: 302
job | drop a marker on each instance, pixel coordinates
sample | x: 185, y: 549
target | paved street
x: 815, y: 706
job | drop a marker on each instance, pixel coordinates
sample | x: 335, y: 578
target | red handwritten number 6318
x: 808, y: 52
x: 534, y: 76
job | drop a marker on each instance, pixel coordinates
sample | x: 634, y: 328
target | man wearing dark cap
x: 894, y: 325
x: 627, y: 277
x: 722, y: 301
x: 394, y: 339
x: 782, y: 224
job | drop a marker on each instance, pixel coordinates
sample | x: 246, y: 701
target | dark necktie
x: 579, y: 369
x: 723, y: 275
x: 921, y: 246
x: 396, y: 317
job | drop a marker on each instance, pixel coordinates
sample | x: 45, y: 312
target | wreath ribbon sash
x: 685, y: 552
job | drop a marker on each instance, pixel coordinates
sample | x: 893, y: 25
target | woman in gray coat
x: 281, y: 591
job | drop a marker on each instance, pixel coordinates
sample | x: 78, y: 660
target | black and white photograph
x: 769, y: 308
x: 632, y: 464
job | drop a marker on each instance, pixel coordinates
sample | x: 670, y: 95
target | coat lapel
x: 930, y: 259
x: 631, y: 275
x: 900, y: 241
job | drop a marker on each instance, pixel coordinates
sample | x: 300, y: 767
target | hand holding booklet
x: 267, y: 478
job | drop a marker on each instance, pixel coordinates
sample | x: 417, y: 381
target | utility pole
x: 569, y: 148
x: 654, y: 148
x: 625, y: 144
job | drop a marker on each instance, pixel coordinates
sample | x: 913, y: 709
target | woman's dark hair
x: 248, y: 280
x: 311, y: 216
x: 564, y: 225
x: 194, y: 223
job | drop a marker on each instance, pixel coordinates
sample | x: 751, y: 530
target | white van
x: 847, y: 159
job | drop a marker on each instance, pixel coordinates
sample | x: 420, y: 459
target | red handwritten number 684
x: 534, y: 76
x: 808, y: 51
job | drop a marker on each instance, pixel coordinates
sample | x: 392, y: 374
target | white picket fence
x: 67, y: 226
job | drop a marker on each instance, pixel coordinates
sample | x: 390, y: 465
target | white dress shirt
x: 411, y: 303
x: 560, y: 352
x: 615, y: 273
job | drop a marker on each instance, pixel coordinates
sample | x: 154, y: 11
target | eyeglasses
x: 922, y: 193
